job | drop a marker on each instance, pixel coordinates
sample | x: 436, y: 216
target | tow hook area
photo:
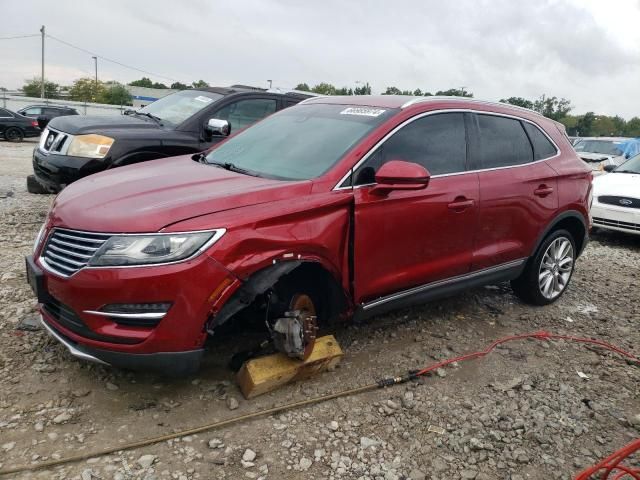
x: 295, y: 334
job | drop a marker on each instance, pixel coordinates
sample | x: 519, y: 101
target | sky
x: 585, y: 50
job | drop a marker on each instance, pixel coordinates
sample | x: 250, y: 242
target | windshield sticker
x: 364, y: 111
x: 203, y: 99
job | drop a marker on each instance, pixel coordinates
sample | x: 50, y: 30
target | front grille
x: 53, y: 140
x: 626, y: 202
x: 605, y: 222
x: 67, y: 251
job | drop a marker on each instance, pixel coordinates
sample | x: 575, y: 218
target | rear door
x: 518, y: 190
x: 413, y: 237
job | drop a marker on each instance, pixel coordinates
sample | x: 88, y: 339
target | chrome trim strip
x: 74, y: 245
x: 432, y: 98
x: 148, y: 315
x: 440, y: 283
x: 69, y: 252
x: 373, y: 149
x: 81, y: 239
x: 72, y: 349
x: 45, y: 263
x: 62, y: 259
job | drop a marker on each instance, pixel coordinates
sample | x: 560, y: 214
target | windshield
x: 300, y: 142
x: 177, y: 107
x: 630, y: 166
x: 603, y: 147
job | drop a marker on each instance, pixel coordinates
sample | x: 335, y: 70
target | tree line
x: 588, y: 125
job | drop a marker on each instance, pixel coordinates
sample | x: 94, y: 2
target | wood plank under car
x: 264, y: 374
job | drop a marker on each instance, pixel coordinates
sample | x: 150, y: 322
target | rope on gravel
x: 385, y: 382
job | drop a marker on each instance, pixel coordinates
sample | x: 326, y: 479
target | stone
x: 416, y: 474
x: 215, y: 443
x: 333, y: 425
x: 366, y: 442
x: 111, y: 386
x: 305, y: 464
x: 86, y: 474
x: 145, y: 461
x: 441, y: 372
x: 8, y: 446
x: 62, y: 418
x: 232, y: 403
x: 468, y: 474
x: 249, y: 455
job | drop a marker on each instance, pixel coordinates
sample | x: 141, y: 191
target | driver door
x: 409, y: 238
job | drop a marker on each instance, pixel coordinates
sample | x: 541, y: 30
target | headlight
x: 90, y: 146
x: 38, y: 238
x: 126, y: 250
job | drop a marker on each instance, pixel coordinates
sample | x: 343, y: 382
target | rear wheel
x: 549, y: 272
x: 13, y: 134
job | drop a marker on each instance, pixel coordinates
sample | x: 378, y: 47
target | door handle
x: 543, y: 191
x: 460, y: 204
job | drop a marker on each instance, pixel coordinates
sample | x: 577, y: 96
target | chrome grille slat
x: 74, y: 245
x: 68, y: 251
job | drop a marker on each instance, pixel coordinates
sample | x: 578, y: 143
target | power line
x: 110, y: 60
x: 20, y: 36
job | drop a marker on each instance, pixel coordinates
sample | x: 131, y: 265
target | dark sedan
x: 15, y: 127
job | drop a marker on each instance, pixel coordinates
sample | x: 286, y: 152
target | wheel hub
x: 294, y: 334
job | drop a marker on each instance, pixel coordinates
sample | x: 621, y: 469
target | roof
x: 247, y: 89
x: 405, y: 101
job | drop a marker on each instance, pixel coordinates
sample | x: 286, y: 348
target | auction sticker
x: 363, y: 111
x: 204, y: 99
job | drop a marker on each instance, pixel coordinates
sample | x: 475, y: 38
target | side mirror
x: 217, y: 128
x: 400, y: 175
x: 610, y: 167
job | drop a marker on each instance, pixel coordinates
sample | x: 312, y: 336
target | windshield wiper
x: 158, y: 120
x: 234, y: 168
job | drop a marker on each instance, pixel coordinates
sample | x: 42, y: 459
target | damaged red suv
x: 336, y: 207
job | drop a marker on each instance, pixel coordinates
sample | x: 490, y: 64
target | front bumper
x: 616, y: 218
x: 177, y: 340
x: 55, y: 171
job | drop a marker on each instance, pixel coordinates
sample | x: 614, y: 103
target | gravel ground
x: 523, y: 412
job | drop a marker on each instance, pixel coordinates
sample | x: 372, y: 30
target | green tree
x: 324, y: 89
x: 392, y: 91
x: 632, y: 128
x: 143, y: 82
x: 303, y: 87
x: 454, y: 92
x: 343, y: 91
x: 199, y: 84
x: 116, y: 94
x: 179, y: 86
x: 552, y: 107
x: 518, y: 101
x: 87, y: 90
x: 363, y: 90
x: 159, y: 85
x: 32, y: 88
x: 584, y: 125
x: 603, y: 126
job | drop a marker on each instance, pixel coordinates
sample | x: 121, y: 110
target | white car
x: 598, y: 152
x: 616, y: 198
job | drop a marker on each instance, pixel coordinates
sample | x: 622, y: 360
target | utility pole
x: 270, y: 82
x: 42, y: 76
x: 95, y: 59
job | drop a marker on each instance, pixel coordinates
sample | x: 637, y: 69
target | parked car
x: 44, y: 113
x: 184, y: 122
x: 599, y: 152
x: 616, y: 198
x: 336, y: 207
x: 15, y: 127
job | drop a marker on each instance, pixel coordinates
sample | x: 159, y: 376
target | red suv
x: 336, y: 207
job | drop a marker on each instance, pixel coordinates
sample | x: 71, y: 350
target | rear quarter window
x: 542, y: 146
x: 502, y: 142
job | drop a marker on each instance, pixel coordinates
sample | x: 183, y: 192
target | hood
x: 148, y: 196
x: 78, y: 124
x: 617, y: 184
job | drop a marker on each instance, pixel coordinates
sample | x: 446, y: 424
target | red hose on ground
x: 611, y: 465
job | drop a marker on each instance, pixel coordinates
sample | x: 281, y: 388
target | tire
x: 33, y: 186
x: 548, y: 273
x: 13, y: 134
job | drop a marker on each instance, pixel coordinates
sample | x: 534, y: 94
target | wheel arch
x: 572, y: 221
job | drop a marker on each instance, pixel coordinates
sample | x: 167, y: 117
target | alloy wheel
x: 556, y: 268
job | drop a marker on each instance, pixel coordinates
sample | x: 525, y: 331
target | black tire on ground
x: 542, y: 285
x: 13, y: 134
x: 33, y: 186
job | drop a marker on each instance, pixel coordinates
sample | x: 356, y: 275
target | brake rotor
x: 302, y: 303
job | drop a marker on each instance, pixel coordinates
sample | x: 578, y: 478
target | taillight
x: 34, y: 123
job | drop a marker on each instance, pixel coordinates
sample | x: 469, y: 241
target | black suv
x: 14, y: 127
x: 181, y: 123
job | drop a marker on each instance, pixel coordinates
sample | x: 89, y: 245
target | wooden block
x: 264, y: 374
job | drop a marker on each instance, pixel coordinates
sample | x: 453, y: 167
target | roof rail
x: 293, y: 90
x: 248, y: 87
x: 415, y: 100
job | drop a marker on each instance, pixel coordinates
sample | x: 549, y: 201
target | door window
x: 437, y: 142
x: 542, y: 146
x: 33, y: 111
x: 502, y: 143
x: 243, y: 113
x: 52, y: 112
x: 5, y: 113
